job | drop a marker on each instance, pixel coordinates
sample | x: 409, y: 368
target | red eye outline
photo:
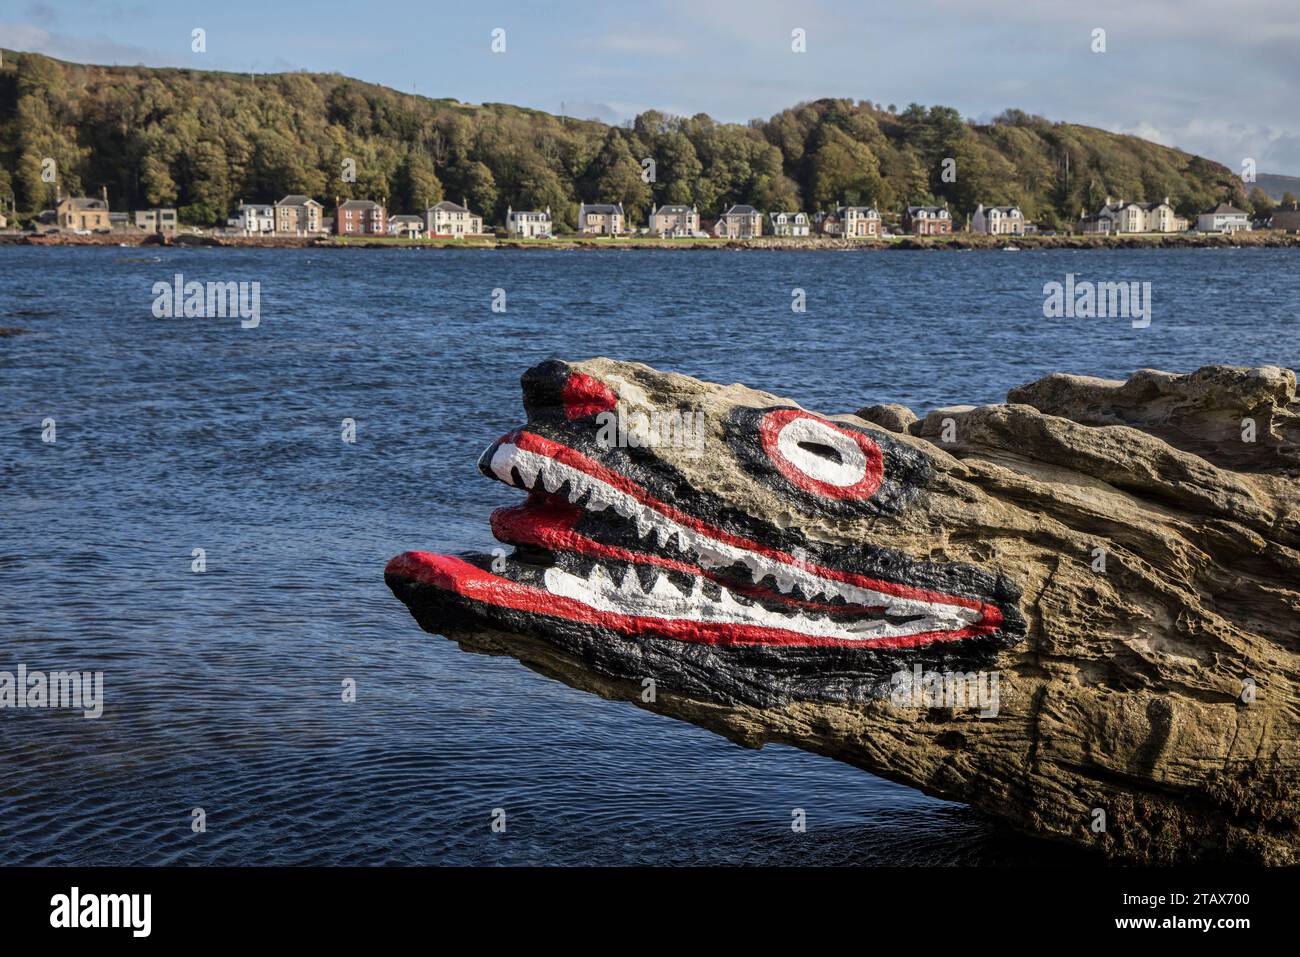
x: 775, y: 422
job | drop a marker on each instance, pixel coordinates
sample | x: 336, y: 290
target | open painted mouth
x: 592, y: 547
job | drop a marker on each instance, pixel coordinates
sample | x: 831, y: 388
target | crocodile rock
x: 1078, y: 612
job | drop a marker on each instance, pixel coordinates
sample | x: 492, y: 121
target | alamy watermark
x: 1098, y: 300
x: 657, y: 428
x: 80, y: 690
x: 919, y: 688
x: 211, y: 300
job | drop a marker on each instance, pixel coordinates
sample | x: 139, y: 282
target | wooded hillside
x: 203, y: 141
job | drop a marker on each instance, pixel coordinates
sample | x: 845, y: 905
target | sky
x: 1220, y: 78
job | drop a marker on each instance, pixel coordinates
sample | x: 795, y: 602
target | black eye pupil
x: 824, y: 451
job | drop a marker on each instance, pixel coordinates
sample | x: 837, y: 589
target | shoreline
x: 962, y: 241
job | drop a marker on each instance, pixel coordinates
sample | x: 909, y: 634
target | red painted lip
x: 451, y: 574
x: 550, y: 522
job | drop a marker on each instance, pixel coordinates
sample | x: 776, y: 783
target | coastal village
x: 298, y: 216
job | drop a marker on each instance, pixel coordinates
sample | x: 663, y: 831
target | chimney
x: 103, y: 191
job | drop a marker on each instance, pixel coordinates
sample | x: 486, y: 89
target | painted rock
x: 1078, y: 612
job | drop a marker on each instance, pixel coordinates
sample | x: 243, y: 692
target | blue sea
x: 222, y: 689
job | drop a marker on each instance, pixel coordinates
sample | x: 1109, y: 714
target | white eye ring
x: 849, y: 470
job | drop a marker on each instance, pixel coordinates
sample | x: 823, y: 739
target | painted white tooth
x: 643, y: 525
x: 630, y: 585
x: 697, y: 590
x: 600, y: 581
x: 551, y: 479
x: 577, y: 488
x: 662, y: 534
x: 663, y: 588
x: 784, y: 581
x: 712, y: 558
x: 625, y: 506
x: 527, y: 470
x: 728, y: 602
x: 599, y: 500
x: 502, y: 460
x: 553, y: 579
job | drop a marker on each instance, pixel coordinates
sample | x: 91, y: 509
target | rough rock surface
x: 1135, y: 563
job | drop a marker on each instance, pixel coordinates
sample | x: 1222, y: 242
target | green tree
x: 616, y: 177
x: 843, y: 171
x: 421, y: 187
x: 1260, y: 202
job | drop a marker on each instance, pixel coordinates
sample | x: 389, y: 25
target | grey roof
x: 913, y: 210
x: 786, y: 212
x: 296, y: 199
x: 741, y: 210
x: 406, y: 218
x: 448, y: 206
x: 1225, y: 208
x: 359, y: 204
x: 87, y: 202
x: 673, y: 209
x: 606, y: 208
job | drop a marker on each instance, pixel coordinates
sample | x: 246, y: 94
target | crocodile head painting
x: 1113, y: 560
x: 715, y: 540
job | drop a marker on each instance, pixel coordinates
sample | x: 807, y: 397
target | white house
x: 448, y: 219
x: 790, y: 224
x: 1223, y: 219
x: 998, y: 220
x: 859, y: 222
x: 253, y: 219
x: 406, y: 225
x: 529, y: 223
x: 1125, y: 217
x: 1163, y: 218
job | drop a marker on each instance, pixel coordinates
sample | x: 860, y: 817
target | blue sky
x: 1218, y: 78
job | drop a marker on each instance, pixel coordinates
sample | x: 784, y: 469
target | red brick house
x: 360, y: 217
x: 927, y: 221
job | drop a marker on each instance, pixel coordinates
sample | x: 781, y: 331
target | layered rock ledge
x: 1142, y: 539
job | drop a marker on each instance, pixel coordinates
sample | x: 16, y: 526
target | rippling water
x: 223, y: 688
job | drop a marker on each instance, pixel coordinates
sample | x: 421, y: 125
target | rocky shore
x: 960, y: 241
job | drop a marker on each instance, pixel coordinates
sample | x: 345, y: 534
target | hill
x: 203, y: 141
x: 1277, y: 186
